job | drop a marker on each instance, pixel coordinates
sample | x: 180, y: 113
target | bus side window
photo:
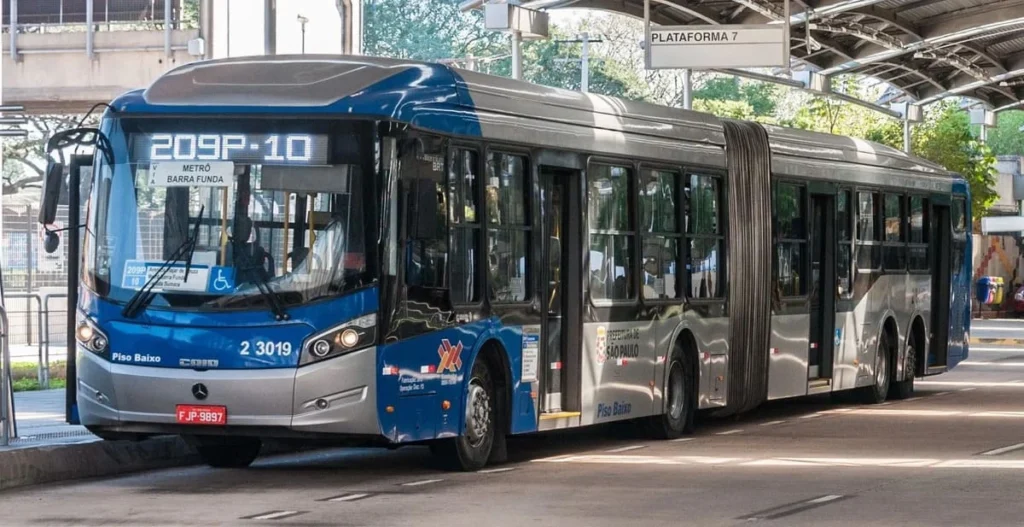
x: 426, y: 253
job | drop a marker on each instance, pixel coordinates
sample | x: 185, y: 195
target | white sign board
x: 718, y: 46
x: 138, y: 272
x: 191, y: 174
x: 50, y: 262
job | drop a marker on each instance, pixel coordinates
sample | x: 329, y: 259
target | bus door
x: 561, y: 331
x: 821, y: 345
x: 941, y: 251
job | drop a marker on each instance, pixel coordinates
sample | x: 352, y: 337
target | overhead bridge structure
x: 926, y: 50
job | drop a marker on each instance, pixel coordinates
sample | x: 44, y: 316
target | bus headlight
x: 90, y: 336
x: 353, y: 335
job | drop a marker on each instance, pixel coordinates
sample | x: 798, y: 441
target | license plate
x: 202, y: 415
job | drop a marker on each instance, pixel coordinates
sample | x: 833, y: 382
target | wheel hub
x: 676, y: 392
x: 478, y: 414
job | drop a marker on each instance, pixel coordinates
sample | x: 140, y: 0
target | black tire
x: 234, y: 453
x: 470, y: 450
x: 882, y: 372
x: 905, y: 389
x: 678, y: 417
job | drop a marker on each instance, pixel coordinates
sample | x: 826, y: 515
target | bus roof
x: 439, y: 96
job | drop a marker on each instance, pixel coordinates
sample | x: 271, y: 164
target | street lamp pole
x: 303, y: 21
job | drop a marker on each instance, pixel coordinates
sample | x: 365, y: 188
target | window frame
x: 900, y: 245
x: 679, y: 235
x: 805, y: 242
x: 480, y: 275
x: 851, y: 226
x: 721, y: 177
x: 926, y: 214
x: 489, y: 150
x: 632, y: 213
x: 878, y: 216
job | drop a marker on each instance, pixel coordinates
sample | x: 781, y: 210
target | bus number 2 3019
x: 266, y: 348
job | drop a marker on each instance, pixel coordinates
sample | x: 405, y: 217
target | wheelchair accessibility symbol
x: 222, y: 280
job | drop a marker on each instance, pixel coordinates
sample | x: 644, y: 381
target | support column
x: 14, y: 30
x: 167, y: 28
x: 688, y: 89
x: 906, y: 135
x: 89, y: 29
x: 206, y: 26
x: 269, y: 27
x: 585, y: 64
x: 517, y: 55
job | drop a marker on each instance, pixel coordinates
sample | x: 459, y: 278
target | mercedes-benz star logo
x: 199, y: 391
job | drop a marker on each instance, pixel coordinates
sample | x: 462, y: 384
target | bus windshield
x: 275, y: 205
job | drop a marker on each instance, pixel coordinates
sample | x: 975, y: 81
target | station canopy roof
x: 926, y: 50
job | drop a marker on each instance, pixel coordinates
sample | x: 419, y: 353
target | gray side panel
x: 789, y: 356
x: 618, y: 367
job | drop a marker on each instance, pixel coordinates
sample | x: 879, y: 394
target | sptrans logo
x: 451, y: 359
x: 601, y: 344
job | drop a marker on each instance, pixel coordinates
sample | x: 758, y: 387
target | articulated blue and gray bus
x: 336, y: 249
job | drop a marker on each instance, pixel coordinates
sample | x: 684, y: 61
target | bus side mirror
x: 51, y: 192
x: 51, y: 242
x: 423, y: 210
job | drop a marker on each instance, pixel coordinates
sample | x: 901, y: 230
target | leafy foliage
x: 24, y: 159
x: 1007, y: 139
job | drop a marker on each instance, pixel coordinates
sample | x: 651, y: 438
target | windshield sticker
x: 222, y: 280
x: 192, y: 174
x: 138, y: 272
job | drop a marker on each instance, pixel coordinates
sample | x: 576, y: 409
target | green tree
x: 24, y: 160
x: 762, y: 97
x: 430, y: 31
x: 1007, y: 139
x: 945, y: 138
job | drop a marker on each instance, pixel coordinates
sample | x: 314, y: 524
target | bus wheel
x: 905, y: 388
x: 674, y: 422
x: 877, y: 392
x: 234, y: 453
x: 470, y: 450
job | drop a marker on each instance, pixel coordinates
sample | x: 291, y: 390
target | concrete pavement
x: 954, y: 455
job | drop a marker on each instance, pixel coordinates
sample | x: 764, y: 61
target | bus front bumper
x: 334, y: 397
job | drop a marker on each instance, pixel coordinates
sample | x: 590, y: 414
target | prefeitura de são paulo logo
x: 451, y: 359
x: 601, y: 344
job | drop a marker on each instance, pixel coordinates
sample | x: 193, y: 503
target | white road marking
x: 772, y: 423
x: 626, y: 448
x: 421, y: 482
x: 810, y: 416
x: 274, y: 515
x: 967, y: 389
x: 1003, y: 450
x: 730, y: 432
x: 939, y: 394
x: 682, y: 440
x: 825, y: 499
x: 991, y: 363
x: 797, y: 462
x: 1014, y: 384
x: 350, y: 497
x: 496, y: 470
x: 996, y: 350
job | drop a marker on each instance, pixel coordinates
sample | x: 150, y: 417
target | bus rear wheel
x: 905, y: 389
x: 677, y: 418
x: 877, y: 392
x: 471, y: 449
x: 229, y: 453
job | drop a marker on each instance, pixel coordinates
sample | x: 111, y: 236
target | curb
x: 47, y: 464
x: 22, y: 467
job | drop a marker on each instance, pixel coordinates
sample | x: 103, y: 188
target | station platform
x: 39, y: 416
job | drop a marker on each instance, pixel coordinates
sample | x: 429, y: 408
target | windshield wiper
x: 263, y: 286
x: 144, y: 295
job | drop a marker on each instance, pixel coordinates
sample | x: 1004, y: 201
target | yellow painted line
x: 559, y: 415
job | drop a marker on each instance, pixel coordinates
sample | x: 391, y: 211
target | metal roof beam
x: 1015, y: 64
x: 1004, y: 14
